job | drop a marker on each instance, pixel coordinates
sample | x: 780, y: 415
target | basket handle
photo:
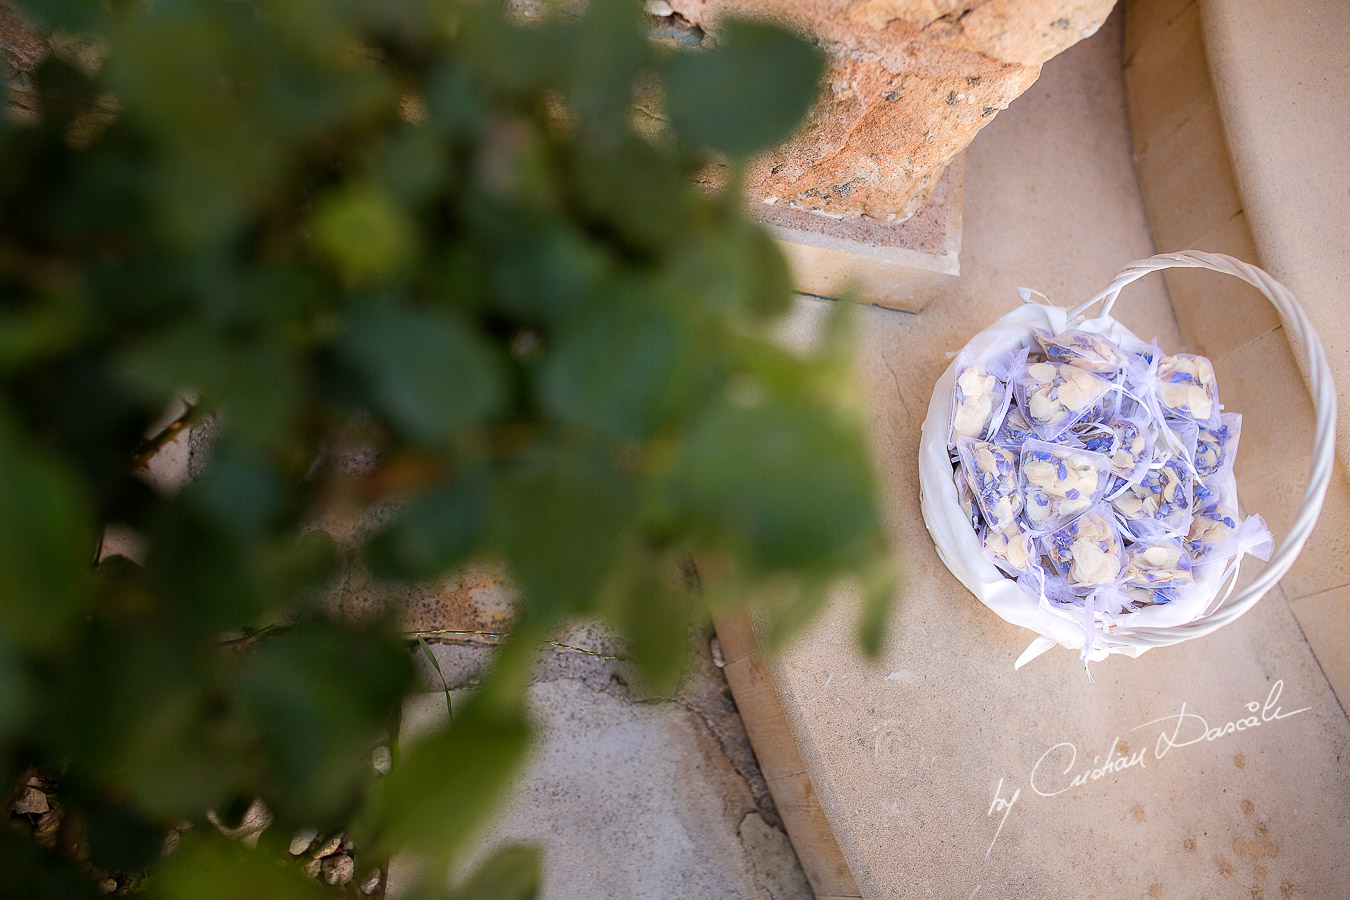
x: 1324, y: 437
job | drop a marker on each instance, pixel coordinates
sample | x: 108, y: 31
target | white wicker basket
x: 961, y: 550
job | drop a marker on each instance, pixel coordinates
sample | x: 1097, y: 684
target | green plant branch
x: 146, y: 449
x: 497, y: 638
x: 435, y: 664
x: 501, y: 636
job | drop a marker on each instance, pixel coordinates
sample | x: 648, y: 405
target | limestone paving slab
x: 947, y: 774
x: 1285, y: 125
x: 629, y: 797
x: 890, y: 265
x: 1325, y: 620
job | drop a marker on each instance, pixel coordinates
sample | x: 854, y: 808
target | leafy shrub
x: 449, y: 232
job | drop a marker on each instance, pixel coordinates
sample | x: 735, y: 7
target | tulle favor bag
x: 1124, y: 531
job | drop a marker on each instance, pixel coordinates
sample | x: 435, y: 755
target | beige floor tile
x: 1187, y: 180
x: 1167, y: 80
x: 1274, y: 65
x: 1262, y: 382
x: 1325, y: 620
x: 1144, y: 18
x: 1325, y: 560
x: 1218, y: 313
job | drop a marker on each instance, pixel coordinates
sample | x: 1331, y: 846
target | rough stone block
x: 910, y: 83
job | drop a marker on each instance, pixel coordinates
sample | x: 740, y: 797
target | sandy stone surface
x: 910, y: 83
x: 1279, y: 80
x: 631, y: 796
x: 631, y: 800
x: 918, y: 758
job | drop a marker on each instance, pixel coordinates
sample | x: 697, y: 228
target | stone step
x: 897, y: 266
x: 945, y: 773
x: 1197, y: 198
x: 628, y: 796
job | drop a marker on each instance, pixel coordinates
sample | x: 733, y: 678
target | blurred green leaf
x: 656, y: 615
x: 783, y: 480
x: 176, y: 75
x: 879, y: 585
x: 132, y: 704
x: 47, y: 541
x: 560, y: 523
x: 430, y: 374
x: 638, y: 188
x: 432, y: 532
x: 364, y: 233
x: 768, y: 280
x: 747, y: 94
x: 67, y: 15
x: 740, y: 270
x: 454, y: 99
x: 549, y: 274
x: 789, y: 605
x: 511, y: 873
x: 53, y: 326
x: 121, y: 839
x: 252, y: 382
x: 461, y: 768
x: 15, y: 689
x: 508, y: 56
x: 33, y: 872
x: 607, y: 50
x: 299, y: 569
x: 413, y: 163
x: 624, y: 369
x: 201, y: 570
x: 419, y: 258
x: 239, y: 491
x: 177, y: 358
x: 64, y: 91
x: 321, y: 697
x: 209, y: 867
